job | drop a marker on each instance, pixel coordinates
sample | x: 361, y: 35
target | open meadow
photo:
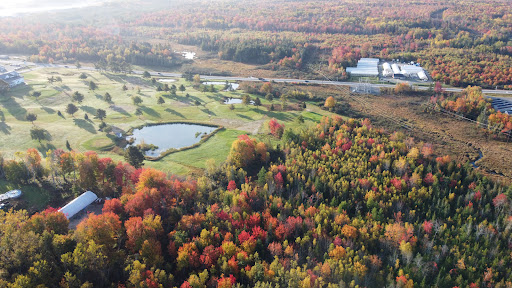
x: 83, y: 134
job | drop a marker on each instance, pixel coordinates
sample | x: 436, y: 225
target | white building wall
x: 78, y: 204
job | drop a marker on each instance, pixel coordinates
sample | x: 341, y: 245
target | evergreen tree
x: 71, y: 109
x: 134, y: 156
x: 31, y: 117
x: 107, y: 98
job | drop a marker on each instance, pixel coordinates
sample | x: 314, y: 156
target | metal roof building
x: 386, y: 70
x: 365, y: 67
x: 411, y: 70
x: 13, y: 194
x: 422, y: 75
x: 396, y: 69
x: 12, y: 78
x: 78, y: 204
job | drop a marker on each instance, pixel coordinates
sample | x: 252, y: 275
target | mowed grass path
x: 83, y: 135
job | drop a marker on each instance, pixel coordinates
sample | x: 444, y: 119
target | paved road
x: 240, y: 78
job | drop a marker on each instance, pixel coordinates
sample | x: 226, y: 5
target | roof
x: 411, y: 69
x: 365, y: 67
x: 10, y: 195
x: 78, y: 204
x: 10, y: 75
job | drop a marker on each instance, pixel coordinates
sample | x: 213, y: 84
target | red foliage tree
x: 114, y: 206
x: 276, y: 129
x: 104, y: 229
x: 231, y: 185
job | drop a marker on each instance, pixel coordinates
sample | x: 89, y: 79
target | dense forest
x: 461, y: 43
x: 341, y: 203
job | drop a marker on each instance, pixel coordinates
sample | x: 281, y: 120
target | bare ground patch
x: 458, y: 138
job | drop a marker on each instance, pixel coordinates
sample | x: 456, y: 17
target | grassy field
x: 35, y: 198
x: 83, y: 134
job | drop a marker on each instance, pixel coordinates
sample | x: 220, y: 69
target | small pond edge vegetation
x: 174, y: 150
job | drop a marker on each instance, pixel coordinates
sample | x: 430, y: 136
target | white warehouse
x: 411, y: 70
x: 422, y: 75
x: 78, y: 204
x: 386, y: 70
x: 396, y: 69
x: 365, y: 67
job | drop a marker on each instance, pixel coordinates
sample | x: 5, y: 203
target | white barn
x: 78, y: 204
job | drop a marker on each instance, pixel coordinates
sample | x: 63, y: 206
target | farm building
x: 12, y: 78
x: 503, y: 105
x: 411, y: 70
x: 386, y: 70
x: 397, y: 73
x: 422, y: 76
x: 365, y: 67
x: 13, y: 194
x: 78, y: 204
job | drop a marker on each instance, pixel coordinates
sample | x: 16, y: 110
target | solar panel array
x: 503, y: 105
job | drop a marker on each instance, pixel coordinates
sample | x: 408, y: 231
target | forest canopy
x: 340, y: 202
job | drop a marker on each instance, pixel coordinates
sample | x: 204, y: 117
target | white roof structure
x: 78, y: 204
x: 12, y: 78
x: 411, y: 69
x: 396, y: 69
x: 422, y: 75
x: 10, y: 195
x: 386, y: 69
x: 365, y: 67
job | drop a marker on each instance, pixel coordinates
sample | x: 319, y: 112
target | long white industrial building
x: 78, y: 204
x: 365, y: 67
x: 410, y: 70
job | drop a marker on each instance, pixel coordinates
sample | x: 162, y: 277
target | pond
x: 233, y: 85
x: 235, y: 101
x: 169, y: 136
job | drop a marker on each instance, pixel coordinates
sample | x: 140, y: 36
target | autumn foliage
x: 346, y: 196
x: 276, y: 129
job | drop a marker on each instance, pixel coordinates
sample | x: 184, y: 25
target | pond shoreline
x: 174, y: 150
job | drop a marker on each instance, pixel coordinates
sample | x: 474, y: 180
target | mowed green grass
x: 35, y: 197
x: 83, y: 135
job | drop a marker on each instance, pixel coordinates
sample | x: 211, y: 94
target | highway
x: 241, y: 78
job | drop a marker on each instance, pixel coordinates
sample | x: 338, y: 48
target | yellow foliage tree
x: 330, y: 102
